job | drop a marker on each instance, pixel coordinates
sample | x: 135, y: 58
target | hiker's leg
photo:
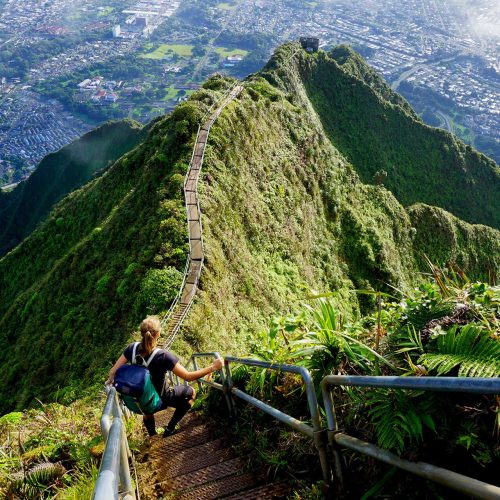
x: 149, y: 423
x: 182, y: 402
x: 193, y: 397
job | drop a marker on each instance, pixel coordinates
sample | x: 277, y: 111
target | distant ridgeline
x: 60, y: 173
x: 376, y: 129
x: 290, y: 204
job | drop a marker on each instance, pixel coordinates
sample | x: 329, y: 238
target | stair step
x: 193, y: 436
x: 226, y: 486
x: 192, y: 418
x: 168, y: 465
x: 266, y: 491
x: 205, y: 475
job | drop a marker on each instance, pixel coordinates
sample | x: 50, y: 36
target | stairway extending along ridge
x: 180, y: 307
x: 196, y: 464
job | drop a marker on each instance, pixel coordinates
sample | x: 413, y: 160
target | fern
x: 34, y: 482
x: 400, y: 417
x: 471, y: 349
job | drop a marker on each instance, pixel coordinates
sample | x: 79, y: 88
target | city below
x: 67, y: 66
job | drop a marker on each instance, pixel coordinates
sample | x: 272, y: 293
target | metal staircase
x: 197, y: 464
x: 182, y: 303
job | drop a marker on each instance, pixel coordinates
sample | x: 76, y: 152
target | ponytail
x: 150, y: 331
x: 148, y: 343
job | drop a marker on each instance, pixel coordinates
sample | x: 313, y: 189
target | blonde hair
x: 150, y: 330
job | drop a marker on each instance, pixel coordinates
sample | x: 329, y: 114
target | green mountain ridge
x: 369, y: 124
x: 60, y: 173
x: 284, y: 212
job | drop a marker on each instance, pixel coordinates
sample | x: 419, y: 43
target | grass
x: 226, y: 6
x: 225, y: 52
x: 164, y: 49
x: 171, y: 93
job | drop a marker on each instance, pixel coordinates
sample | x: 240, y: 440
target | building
x: 116, y: 31
x: 85, y: 82
x: 310, y: 44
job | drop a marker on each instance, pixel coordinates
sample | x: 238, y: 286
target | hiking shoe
x: 167, y: 432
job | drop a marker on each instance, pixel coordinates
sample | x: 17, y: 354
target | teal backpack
x: 134, y: 384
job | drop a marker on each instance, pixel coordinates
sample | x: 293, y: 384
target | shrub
x: 158, y: 288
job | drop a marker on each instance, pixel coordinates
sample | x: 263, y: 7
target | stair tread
x: 223, y: 487
x: 184, y: 440
x: 204, y: 475
x: 191, y: 418
x: 267, y: 491
x: 199, y: 458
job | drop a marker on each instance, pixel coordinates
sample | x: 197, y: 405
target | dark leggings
x: 178, y: 397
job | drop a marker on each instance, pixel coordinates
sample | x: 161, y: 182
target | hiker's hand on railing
x: 217, y: 365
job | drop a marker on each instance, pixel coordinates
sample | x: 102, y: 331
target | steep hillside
x: 376, y: 130
x: 60, y: 173
x: 284, y: 212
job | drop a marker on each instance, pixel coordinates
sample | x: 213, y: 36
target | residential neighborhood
x: 101, y: 59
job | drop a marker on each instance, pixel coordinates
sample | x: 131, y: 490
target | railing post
x: 319, y: 434
x: 332, y: 429
x: 228, y: 388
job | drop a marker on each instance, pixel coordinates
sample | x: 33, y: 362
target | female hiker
x: 180, y: 397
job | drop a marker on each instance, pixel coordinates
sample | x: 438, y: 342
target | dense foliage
x: 377, y: 130
x: 74, y: 290
x: 60, y: 173
x: 283, y: 212
x: 447, y: 326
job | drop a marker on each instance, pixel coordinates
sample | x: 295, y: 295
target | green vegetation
x: 171, y: 93
x: 81, y: 277
x: 54, y: 450
x: 447, y: 326
x: 163, y: 50
x: 226, y: 6
x: 225, y: 52
x: 283, y: 211
x: 106, y: 11
x: 416, y: 157
x: 22, y: 209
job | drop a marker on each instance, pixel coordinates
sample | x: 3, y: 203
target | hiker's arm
x: 180, y: 371
x: 111, y: 376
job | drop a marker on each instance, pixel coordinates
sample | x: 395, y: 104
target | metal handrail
x: 206, y: 127
x: 313, y: 431
x: 336, y: 439
x: 114, y: 480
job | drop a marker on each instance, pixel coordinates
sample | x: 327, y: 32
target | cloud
x: 482, y: 16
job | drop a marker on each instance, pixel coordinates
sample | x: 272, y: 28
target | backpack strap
x: 134, y: 351
x: 152, y: 355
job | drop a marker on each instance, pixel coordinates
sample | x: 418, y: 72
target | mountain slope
x: 377, y: 130
x: 284, y: 212
x: 60, y: 173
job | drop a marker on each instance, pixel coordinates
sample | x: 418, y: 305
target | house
x: 84, y: 83
x: 111, y: 97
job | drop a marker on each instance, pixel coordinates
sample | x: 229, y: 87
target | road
x: 446, y: 121
x: 210, y: 47
x: 9, y: 186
